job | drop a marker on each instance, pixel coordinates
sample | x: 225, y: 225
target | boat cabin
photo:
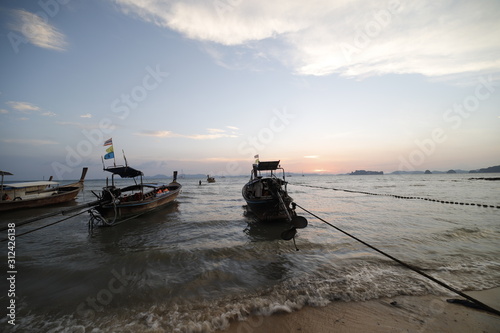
x: 260, y: 187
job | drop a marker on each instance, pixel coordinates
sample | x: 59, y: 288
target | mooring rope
x: 45, y: 226
x: 403, y: 197
x: 62, y: 212
x: 479, y: 304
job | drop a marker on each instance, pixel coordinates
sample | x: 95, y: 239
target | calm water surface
x: 200, y: 262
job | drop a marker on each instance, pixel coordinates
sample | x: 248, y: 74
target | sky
x: 205, y: 86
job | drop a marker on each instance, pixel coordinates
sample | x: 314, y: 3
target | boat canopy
x: 29, y: 184
x: 124, y: 171
x: 270, y: 165
x: 5, y: 173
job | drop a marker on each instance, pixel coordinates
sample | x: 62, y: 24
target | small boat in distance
x: 210, y: 179
x: 120, y: 204
x: 37, y: 194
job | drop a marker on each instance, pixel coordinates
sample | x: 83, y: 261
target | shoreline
x: 428, y: 313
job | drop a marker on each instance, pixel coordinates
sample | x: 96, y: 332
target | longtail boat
x: 120, y: 204
x: 37, y: 194
x: 267, y: 197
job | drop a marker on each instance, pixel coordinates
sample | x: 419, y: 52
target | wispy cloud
x: 350, y: 38
x: 28, y: 108
x: 215, y: 130
x: 38, y: 31
x: 31, y: 142
x: 311, y: 156
x: 213, y: 133
x: 76, y: 124
x: 157, y: 134
x: 209, y: 136
x: 3, y: 111
x: 87, y: 115
x: 23, y: 106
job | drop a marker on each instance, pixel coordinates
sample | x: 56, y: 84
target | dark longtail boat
x: 267, y: 197
x: 120, y: 204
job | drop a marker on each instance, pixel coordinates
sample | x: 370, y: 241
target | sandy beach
x: 398, y: 314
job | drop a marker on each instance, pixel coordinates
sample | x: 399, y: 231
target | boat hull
x: 266, y: 210
x: 265, y: 205
x: 64, y: 194
x: 47, y: 197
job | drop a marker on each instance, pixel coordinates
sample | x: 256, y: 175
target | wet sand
x: 397, y: 314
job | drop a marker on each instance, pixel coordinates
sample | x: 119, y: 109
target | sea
x: 201, y: 263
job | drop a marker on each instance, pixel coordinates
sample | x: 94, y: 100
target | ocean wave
x: 464, y: 233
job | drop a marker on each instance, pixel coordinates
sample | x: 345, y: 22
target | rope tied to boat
x: 477, y: 304
x: 45, y: 226
x: 96, y: 219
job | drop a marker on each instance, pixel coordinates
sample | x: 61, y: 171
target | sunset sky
x: 203, y: 86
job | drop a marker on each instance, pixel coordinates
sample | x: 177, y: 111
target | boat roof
x: 269, y: 165
x: 124, y: 171
x: 5, y: 173
x: 30, y: 184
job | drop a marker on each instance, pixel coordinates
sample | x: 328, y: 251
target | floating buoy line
x: 403, y: 197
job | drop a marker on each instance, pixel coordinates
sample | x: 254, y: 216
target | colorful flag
x: 109, y: 155
x: 108, y: 142
x: 109, y: 150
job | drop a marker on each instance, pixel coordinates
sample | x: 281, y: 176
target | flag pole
x: 124, y: 158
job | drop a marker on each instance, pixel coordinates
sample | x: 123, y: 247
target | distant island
x: 493, y: 169
x: 364, y: 172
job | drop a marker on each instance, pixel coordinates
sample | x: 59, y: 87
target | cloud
x: 33, y: 142
x: 209, y: 136
x: 87, y: 115
x: 28, y: 108
x: 23, y: 106
x: 213, y: 133
x: 311, y: 156
x: 349, y: 38
x: 37, y: 31
x: 81, y: 125
x: 3, y: 111
x: 157, y: 134
x: 215, y: 130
